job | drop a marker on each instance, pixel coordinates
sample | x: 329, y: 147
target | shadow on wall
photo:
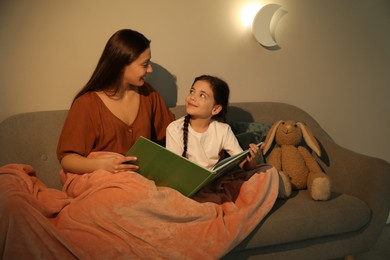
x: 165, y: 83
x: 237, y: 114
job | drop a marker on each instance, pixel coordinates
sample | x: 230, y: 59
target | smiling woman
x: 114, y: 108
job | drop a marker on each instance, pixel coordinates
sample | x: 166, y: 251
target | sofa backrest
x: 31, y: 138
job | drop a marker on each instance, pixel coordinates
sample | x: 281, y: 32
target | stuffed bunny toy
x: 296, y: 166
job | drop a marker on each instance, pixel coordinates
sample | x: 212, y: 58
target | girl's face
x: 134, y: 74
x: 200, y: 101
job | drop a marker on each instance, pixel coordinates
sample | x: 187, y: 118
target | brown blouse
x: 90, y: 126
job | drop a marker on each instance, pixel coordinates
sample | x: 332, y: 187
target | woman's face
x: 134, y: 74
x: 200, y: 101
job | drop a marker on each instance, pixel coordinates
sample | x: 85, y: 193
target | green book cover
x: 169, y: 169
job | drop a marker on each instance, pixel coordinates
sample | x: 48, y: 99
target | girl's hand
x: 254, y: 152
x: 251, y: 159
x: 262, y: 146
x: 119, y: 164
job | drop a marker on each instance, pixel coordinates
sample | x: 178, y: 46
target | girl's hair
x: 121, y: 49
x: 221, y: 97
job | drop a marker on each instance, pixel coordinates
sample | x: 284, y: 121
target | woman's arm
x: 78, y: 164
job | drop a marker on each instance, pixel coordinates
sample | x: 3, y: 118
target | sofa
x: 297, y: 227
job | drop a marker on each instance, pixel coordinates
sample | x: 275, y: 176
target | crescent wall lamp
x: 263, y: 28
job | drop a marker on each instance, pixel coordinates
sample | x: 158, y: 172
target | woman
x: 114, y: 108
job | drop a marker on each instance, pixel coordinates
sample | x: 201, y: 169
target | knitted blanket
x: 100, y: 215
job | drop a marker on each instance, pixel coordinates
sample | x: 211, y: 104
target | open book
x: 169, y: 169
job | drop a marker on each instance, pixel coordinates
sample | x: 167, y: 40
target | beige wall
x: 333, y: 62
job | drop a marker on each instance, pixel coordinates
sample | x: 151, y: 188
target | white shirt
x: 202, y: 148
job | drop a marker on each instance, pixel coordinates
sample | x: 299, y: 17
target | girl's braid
x: 185, y: 134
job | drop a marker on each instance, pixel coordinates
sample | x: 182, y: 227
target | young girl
x: 202, y: 135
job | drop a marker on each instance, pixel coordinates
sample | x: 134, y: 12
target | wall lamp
x: 263, y: 25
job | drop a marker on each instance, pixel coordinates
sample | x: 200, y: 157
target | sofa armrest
x: 31, y: 138
x: 364, y: 177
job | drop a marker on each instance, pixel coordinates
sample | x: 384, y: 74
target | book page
x: 167, y: 168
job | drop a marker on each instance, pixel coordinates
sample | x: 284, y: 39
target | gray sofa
x: 296, y: 228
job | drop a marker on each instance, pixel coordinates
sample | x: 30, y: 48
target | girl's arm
x: 174, y: 140
x: 78, y: 164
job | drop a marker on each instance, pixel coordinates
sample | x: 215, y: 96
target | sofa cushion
x: 259, y: 128
x: 250, y: 132
x: 300, y: 218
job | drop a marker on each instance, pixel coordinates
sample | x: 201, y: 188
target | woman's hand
x: 120, y: 164
x: 78, y: 164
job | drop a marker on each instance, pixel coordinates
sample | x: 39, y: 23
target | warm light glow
x: 248, y: 13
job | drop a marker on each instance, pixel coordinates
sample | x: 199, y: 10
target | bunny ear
x: 270, y: 136
x: 309, y: 138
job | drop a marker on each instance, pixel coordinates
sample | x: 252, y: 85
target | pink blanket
x: 100, y: 215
